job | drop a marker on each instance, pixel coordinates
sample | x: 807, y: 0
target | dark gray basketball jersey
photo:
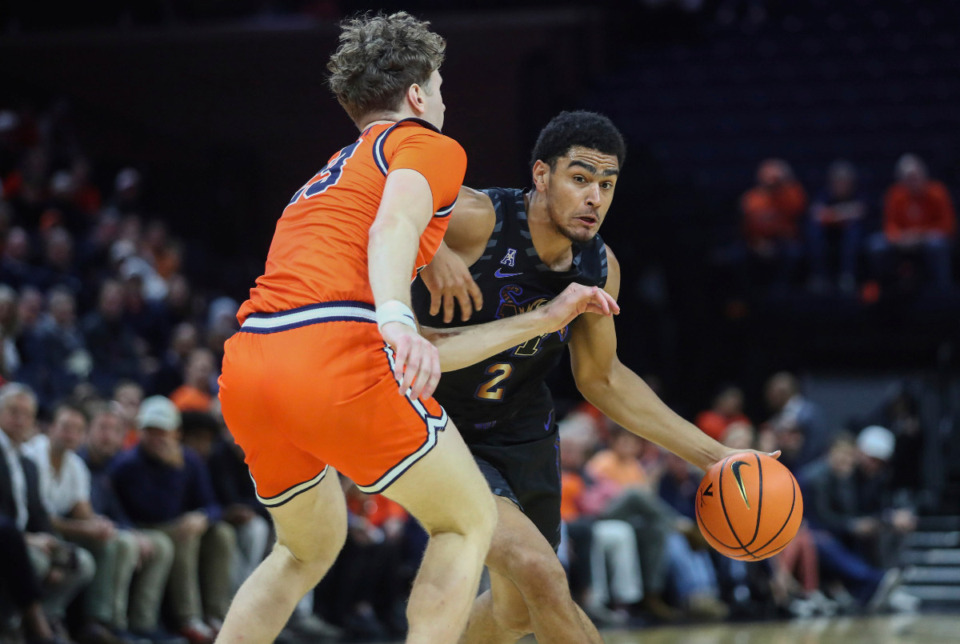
x: 513, y: 280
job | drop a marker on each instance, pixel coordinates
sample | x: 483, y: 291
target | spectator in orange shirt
x: 196, y: 393
x: 918, y: 219
x: 771, y: 215
x: 727, y: 409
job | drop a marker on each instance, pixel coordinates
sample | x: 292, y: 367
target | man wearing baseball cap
x: 164, y: 485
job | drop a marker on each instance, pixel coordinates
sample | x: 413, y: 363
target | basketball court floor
x: 921, y: 628
x: 894, y: 629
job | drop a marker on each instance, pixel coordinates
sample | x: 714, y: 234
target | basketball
x: 749, y: 506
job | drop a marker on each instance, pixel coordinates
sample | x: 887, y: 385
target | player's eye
x: 607, y: 185
x: 579, y: 178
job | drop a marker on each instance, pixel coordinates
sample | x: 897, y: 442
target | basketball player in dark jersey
x: 521, y: 248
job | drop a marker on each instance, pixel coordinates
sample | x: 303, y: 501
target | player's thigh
x: 313, y: 524
x: 444, y: 490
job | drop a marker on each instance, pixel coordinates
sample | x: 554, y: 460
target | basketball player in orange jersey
x: 513, y: 248
x: 329, y: 370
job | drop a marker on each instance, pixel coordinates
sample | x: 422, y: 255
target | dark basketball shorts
x: 528, y: 475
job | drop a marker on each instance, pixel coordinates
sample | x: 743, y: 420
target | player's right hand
x: 416, y: 362
x: 448, y: 279
x: 577, y: 299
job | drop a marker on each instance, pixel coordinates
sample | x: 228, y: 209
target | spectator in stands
x: 65, y: 485
x: 771, y: 216
x: 183, y: 340
x: 114, y: 347
x: 202, y: 433
x: 900, y: 412
x: 127, y: 192
x: 20, y: 591
x: 796, y: 426
x: 592, y: 545
x: 86, y: 194
x: 148, y: 319
x: 691, y: 561
x: 200, y: 376
x: 663, y: 535
x: 836, y: 219
x: 918, y: 220
x: 832, y: 508
x: 165, y: 486
x: 62, y: 569
x: 875, y: 497
x: 140, y: 607
x: 16, y: 269
x: 727, y: 409
x: 26, y: 186
x: 55, y: 358
x: 221, y: 324
x: 9, y: 332
x: 129, y: 395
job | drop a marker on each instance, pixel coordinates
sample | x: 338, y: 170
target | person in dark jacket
x: 163, y: 485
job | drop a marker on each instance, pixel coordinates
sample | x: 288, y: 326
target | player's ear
x: 540, y: 172
x: 415, y: 98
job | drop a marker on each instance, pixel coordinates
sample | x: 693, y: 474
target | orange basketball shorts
x: 313, y: 386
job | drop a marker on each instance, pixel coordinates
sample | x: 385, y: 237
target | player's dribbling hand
x: 448, y: 279
x: 416, y: 362
x: 577, y: 299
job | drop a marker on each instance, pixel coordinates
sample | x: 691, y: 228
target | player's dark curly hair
x: 379, y: 58
x: 579, y: 128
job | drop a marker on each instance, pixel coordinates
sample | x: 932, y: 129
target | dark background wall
x: 231, y: 121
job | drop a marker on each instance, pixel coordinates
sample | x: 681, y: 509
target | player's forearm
x: 461, y: 347
x: 628, y: 400
x: 391, y: 252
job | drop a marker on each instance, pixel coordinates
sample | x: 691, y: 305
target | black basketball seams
x: 723, y: 506
x: 793, y: 505
x: 749, y: 553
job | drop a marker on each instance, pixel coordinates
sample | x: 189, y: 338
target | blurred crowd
x: 634, y: 551
x: 845, y: 240
x: 127, y: 513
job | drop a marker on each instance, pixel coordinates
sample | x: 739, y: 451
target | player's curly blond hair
x: 379, y: 58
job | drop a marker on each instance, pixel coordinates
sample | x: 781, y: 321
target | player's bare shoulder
x: 471, y: 223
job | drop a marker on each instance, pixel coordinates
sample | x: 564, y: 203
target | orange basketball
x: 749, y: 506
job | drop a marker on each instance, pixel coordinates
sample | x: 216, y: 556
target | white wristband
x: 395, y: 311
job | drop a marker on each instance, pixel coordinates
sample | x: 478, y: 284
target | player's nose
x: 593, y: 194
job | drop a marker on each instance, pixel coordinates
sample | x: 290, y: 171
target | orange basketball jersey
x: 319, y: 249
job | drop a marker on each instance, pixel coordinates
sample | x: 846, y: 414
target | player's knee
x: 473, y: 518
x: 316, y: 553
x: 539, y: 574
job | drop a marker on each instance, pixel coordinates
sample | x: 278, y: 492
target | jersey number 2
x: 493, y: 388
x: 328, y: 176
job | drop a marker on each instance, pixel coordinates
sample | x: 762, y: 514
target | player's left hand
x: 416, y: 361
x: 448, y: 279
x: 577, y: 299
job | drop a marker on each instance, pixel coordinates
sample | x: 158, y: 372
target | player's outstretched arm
x: 405, y: 210
x: 448, y: 276
x: 463, y: 346
x: 623, y: 396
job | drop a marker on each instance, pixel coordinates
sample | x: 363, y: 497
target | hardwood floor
x: 894, y: 629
